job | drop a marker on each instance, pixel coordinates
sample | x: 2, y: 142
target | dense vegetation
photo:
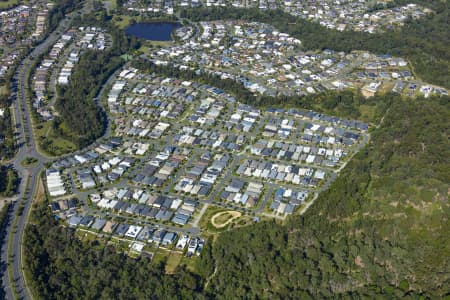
x: 379, y: 231
x: 82, y: 120
x: 80, y: 113
x: 57, y: 13
x: 346, y: 104
x: 9, y: 181
x: 7, y: 140
x: 424, y: 42
x: 63, y: 267
x: 4, y: 218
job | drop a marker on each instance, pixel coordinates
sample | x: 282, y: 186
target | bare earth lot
x: 224, y: 218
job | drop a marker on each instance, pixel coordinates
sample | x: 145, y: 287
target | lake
x: 158, y: 31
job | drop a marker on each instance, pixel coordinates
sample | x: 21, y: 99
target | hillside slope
x: 380, y: 230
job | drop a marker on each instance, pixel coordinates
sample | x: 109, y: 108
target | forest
x: 9, y: 181
x: 424, y: 42
x: 81, y: 118
x: 57, y: 13
x: 79, y: 112
x: 379, y: 231
x: 7, y: 139
x: 4, y: 218
x: 63, y: 267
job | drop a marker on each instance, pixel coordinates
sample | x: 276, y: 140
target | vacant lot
x: 173, y: 261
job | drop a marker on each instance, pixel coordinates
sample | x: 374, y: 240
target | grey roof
x: 75, y: 220
x: 145, y: 233
x: 121, y: 229
x: 86, y: 221
x: 180, y: 219
x: 289, y: 209
x: 169, y: 237
x: 98, y: 224
x: 164, y: 215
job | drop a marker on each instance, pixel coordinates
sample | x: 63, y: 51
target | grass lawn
x: 160, y: 257
x: 149, y: 46
x: 59, y: 146
x: 144, y: 48
x: 173, y: 261
x: 29, y: 161
x: 367, y: 112
x: 55, y: 145
x: 9, y: 3
x: 120, y: 244
x: 121, y: 21
x: 205, y: 221
x: 3, y: 89
x: 386, y: 87
x: 189, y: 262
x: 224, y: 219
x: 150, y: 247
x: 159, y: 43
x: 86, y: 236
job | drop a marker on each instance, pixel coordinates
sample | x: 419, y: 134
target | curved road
x: 27, y: 148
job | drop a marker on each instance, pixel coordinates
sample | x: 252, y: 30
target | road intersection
x: 14, y: 282
x: 11, y: 249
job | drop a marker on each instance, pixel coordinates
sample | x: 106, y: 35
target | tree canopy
x: 82, y: 119
x: 380, y: 230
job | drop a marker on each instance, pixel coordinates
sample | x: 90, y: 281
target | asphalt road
x: 27, y: 148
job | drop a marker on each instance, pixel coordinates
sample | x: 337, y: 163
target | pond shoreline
x: 153, y: 30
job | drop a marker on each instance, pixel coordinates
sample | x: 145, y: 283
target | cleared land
x: 173, y: 261
x: 9, y: 3
x: 3, y: 202
x: 224, y: 218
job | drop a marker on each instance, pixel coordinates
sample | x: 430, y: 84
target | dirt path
x: 234, y: 215
x: 308, y: 204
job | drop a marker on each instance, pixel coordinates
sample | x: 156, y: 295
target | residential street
x: 27, y: 148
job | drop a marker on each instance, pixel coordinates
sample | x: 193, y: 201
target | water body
x: 158, y: 31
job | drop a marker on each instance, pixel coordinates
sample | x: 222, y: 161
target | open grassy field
x: 367, y: 111
x: 158, y: 44
x: 86, y: 236
x: 49, y: 142
x: 173, y: 261
x: 9, y: 3
x: 160, y: 257
x: 3, y: 89
x: 189, y: 263
x: 205, y: 221
x: 121, y: 21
